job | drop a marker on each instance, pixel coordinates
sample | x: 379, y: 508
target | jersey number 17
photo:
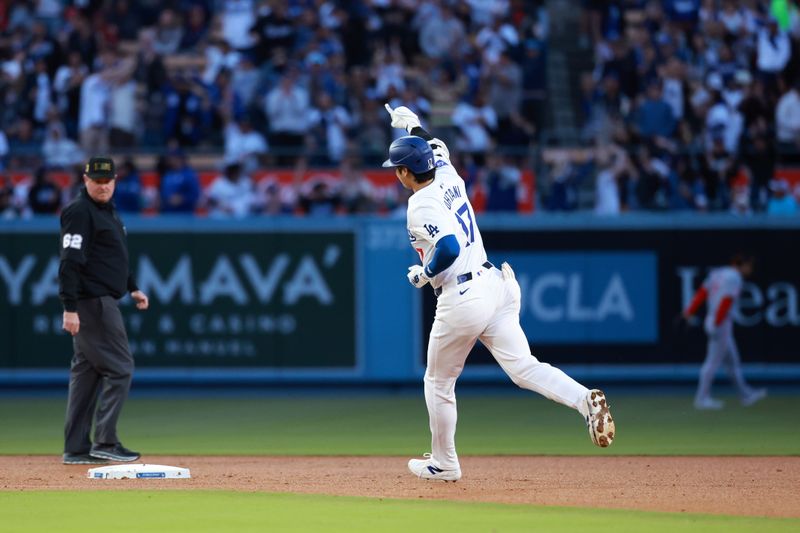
x: 468, y: 230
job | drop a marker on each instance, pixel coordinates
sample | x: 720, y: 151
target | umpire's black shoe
x: 82, y: 459
x: 114, y: 452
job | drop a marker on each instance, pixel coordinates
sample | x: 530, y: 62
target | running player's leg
x: 733, y: 365
x: 447, y: 351
x: 714, y: 355
x: 506, y: 340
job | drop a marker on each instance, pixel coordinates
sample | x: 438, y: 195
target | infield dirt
x: 746, y: 486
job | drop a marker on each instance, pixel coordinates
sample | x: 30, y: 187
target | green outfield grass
x: 335, y: 423
x: 215, y: 511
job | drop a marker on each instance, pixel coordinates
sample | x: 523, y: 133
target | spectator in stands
x: 272, y: 199
x: 496, y: 38
x: 245, y: 80
x: 180, y: 186
x: 503, y: 82
x: 740, y: 196
x: 758, y: 156
x: 329, y: 127
x: 442, y: 35
x: 655, y: 118
x: 244, y: 145
x: 563, y: 181
x: 622, y: 65
x: 358, y: 194
x: 128, y: 188
x: 273, y: 32
x: 781, y: 202
x: 787, y: 119
x: 476, y: 122
x: 38, y: 88
x: 60, y: 151
x: 44, y: 196
x: 534, y: 81
x: 168, y: 33
x: 774, y: 51
x: 126, y: 20
x: 372, y: 137
x: 123, y: 115
x: 231, y: 194
x: 188, y: 110
x: 93, y: 117
x: 388, y: 72
x: 238, y: 16
x: 7, y: 208
x: 685, y: 187
x: 22, y: 140
x: 503, y: 179
x: 724, y: 121
x: 319, y: 198
x: 652, y: 179
x: 718, y: 168
x: 195, y: 29
x: 287, y: 108
x: 82, y: 39
x: 612, y: 163
x: 67, y: 86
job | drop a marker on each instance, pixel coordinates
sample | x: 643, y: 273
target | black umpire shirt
x: 94, y: 253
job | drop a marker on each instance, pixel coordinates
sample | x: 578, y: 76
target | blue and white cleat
x: 599, y: 422
x: 425, y: 469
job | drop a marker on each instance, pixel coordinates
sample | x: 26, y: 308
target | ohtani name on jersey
x: 450, y: 195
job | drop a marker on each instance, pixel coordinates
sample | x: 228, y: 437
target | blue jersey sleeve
x: 444, y: 255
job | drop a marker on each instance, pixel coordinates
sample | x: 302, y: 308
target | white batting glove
x: 403, y: 118
x: 417, y: 277
x: 508, y: 273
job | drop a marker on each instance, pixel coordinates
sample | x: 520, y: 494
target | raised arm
x: 405, y: 119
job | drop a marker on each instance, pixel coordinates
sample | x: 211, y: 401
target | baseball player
x: 721, y: 288
x: 476, y: 300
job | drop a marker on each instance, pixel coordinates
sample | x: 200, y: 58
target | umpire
x: 92, y: 276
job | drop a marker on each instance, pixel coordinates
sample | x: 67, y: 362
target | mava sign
x: 278, y: 299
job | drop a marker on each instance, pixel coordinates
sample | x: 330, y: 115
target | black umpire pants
x: 100, y: 375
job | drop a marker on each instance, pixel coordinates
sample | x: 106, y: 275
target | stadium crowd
x: 692, y: 105
x: 272, y: 83
x: 680, y: 109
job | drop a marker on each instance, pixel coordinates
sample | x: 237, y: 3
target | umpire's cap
x: 100, y: 167
x: 412, y: 152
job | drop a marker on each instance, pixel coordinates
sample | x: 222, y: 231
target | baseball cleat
x: 708, y: 404
x: 114, y: 452
x: 425, y: 469
x: 754, y: 396
x: 82, y: 459
x: 599, y: 421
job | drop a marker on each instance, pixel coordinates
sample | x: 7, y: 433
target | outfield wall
x: 299, y: 299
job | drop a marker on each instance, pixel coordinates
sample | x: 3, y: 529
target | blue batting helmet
x: 412, y: 152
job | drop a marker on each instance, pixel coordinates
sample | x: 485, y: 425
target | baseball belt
x: 463, y: 278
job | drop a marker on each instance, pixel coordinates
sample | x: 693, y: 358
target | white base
x: 139, y: 471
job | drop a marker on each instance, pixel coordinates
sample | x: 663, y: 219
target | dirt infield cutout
x: 747, y: 486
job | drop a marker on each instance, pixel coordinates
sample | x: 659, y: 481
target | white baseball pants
x: 722, y: 350
x: 485, y: 308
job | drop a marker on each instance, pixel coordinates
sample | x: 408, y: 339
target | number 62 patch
x: 72, y: 241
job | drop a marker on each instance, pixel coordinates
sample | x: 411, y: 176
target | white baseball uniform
x: 721, y: 283
x: 475, y: 301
